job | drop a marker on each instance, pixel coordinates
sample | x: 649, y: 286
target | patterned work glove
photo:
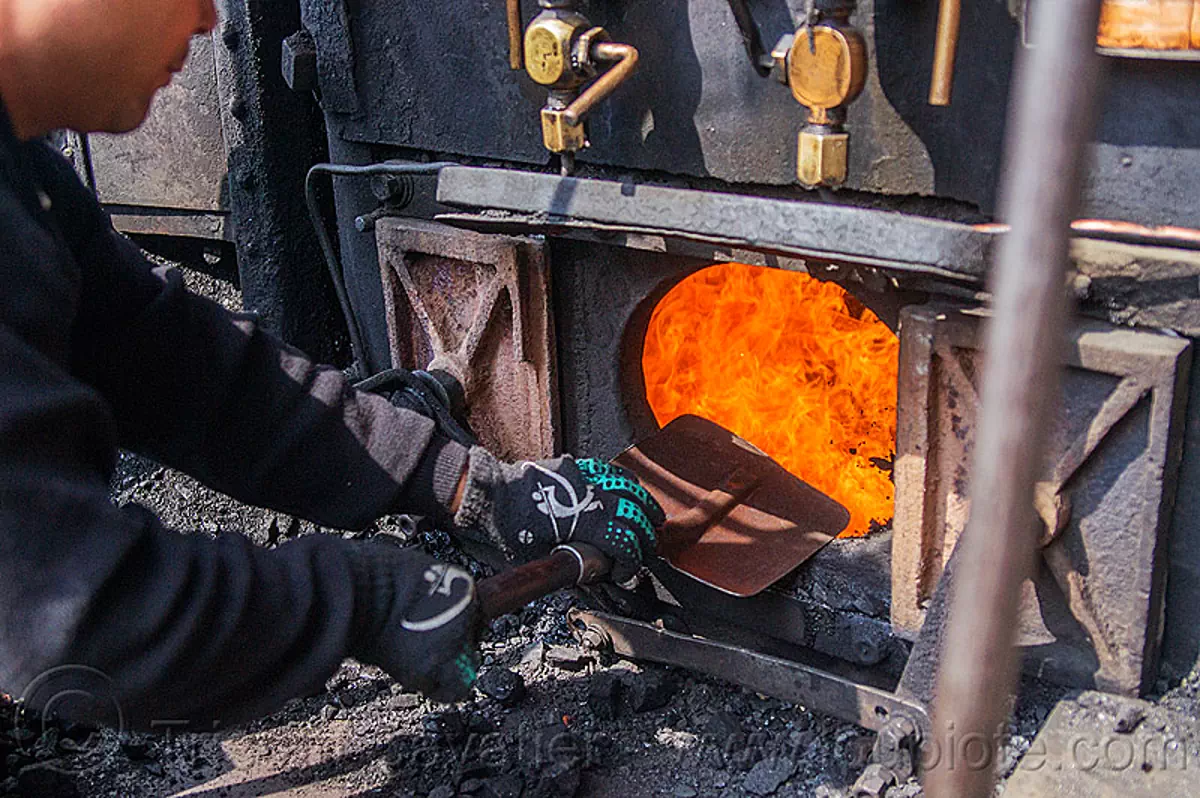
x: 417, y: 618
x: 529, y: 508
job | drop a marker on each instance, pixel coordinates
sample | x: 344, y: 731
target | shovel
x: 737, y: 521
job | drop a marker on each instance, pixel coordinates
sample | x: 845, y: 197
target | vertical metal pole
x: 1051, y: 123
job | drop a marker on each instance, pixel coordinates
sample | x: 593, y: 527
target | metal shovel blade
x: 736, y: 520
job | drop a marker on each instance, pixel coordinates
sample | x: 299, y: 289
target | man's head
x: 92, y: 65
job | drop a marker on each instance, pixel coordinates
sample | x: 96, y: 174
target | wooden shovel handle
x: 568, y: 565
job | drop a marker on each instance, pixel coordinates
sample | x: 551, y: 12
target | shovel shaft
x: 568, y: 565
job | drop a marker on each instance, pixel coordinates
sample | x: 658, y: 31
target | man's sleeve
x: 212, y: 394
x: 187, y: 628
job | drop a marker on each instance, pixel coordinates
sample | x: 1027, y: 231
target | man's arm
x: 188, y: 628
x: 209, y: 392
x: 212, y: 394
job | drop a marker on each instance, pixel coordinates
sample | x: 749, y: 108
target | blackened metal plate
x: 755, y: 522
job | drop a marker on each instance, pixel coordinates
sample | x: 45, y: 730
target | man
x: 99, y: 350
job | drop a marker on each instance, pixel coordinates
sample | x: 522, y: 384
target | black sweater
x: 100, y: 349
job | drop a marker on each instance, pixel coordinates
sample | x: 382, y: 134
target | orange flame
x: 787, y: 363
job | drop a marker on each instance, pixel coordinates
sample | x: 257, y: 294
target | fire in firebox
x: 798, y: 367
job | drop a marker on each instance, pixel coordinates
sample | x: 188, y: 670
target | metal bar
x: 751, y: 38
x: 1052, y: 119
x: 626, y: 58
x: 815, y: 689
x: 945, y: 50
x: 880, y: 238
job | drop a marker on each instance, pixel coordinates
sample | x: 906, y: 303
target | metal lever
x: 945, y: 49
x: 751, y: 38
x: 625, y: 57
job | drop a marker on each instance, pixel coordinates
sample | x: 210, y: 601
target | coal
x: 569, y: 658
x: 504, y: 627
x: 445, y: 791
x: 136, y: 750
x: 448, y: 727
x: 534, y: 655
x: 1129, y: 718
x: 402, y: 701
x: 722, y: 726
x: 604, y: 695
x: 649, y: 690
x: 46, y: 781
x: 768, y: 775
x: 743, y: 758
x: 508, y: 785
x: 505, y: 686
x: 559, y: 780
x: 478, y: 724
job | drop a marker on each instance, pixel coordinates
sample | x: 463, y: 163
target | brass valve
x: 563, y: 51
x: 825, y: 65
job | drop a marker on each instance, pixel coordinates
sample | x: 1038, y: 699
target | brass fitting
x: 825, y: 65
x: 549, y: 48
x: 559, y: 135
x: 823, y: 157
x: 563, y: 52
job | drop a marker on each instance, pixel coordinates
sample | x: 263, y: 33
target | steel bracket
x: 817, y: 690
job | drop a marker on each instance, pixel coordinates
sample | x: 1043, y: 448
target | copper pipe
x: 944, y: 50
x: 1054, y: 110
x: 1167, y: 233
x: 1160, y: 234
x: 626, y: 56
x: 516, y: 45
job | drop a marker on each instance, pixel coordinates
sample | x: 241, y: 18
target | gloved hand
x: 526, y: 509
x: 422, y: 392
x: 417, y: 618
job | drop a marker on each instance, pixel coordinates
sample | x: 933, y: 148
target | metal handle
x: 568, y: 565
x: 626, y: 58
x: 516, y: 46
x: 945, y: 49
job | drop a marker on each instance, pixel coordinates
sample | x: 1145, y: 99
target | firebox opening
x: 798, y: 367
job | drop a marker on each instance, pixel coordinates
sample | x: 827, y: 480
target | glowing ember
x: 787, y: 363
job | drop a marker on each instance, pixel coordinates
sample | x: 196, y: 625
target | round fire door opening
x: 798, y: 367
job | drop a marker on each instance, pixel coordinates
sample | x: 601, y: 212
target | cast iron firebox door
x: 478, y: 307
x: 1093, y: 615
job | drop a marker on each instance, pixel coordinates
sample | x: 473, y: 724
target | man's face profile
x: 135, y: 48
x: 95, y: 65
